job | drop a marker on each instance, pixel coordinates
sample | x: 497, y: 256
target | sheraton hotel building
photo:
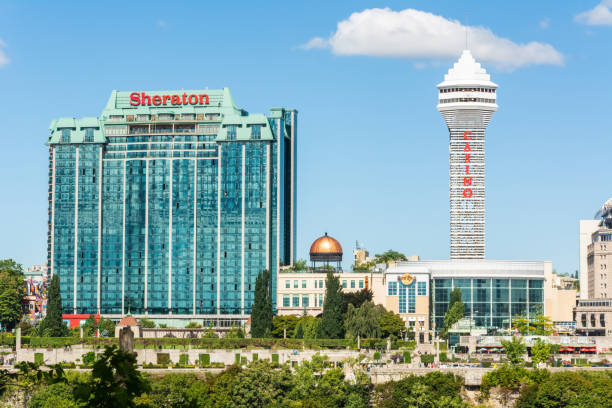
x: 169, y: 205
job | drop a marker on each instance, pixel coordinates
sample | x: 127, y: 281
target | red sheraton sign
x: 141, y: 98
x: 467, y: 179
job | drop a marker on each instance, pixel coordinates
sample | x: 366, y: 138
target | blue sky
x: 373, y: 150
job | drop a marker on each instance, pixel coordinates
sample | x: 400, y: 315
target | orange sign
x: 407, y: 279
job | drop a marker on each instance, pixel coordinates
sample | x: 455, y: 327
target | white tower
x: 467, y: 103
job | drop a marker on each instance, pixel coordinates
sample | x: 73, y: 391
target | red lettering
x: 467, y: 193
x: 204, y: 96
x: 144, y: 97
x: 166, y: 98
x: 176, y: 100
x: 134, y: 99
x: 467, y: 132
x: 184, y: 99
x: 467, y: 181
x: 193, y: 99
x: 467, y: 158
x: 157, y: 100
x: 467, y: 169
x: 467, y: 148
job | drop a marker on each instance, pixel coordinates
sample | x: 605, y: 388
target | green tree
x: 391, y: 324
x: 104, y: 325
x: 542, y: 326
x: 357, y: 298
x: 260, y: 386
x: 363, y: 321
x: 146, y: 323
x: 53, y: 324
x: 540, y: 351
x: 455, y: 297
x: 53, y: 396
x: 115, y: 381
x: 299, y: 265
x: 177, y: 391
x: 332, y: 319
x: 390, y: 256
x: 521, y: 324
x: 193, y: 325
x: 306, y: 327
x: 280, y: 324
x: 261, y: 316
x: 452, y: 316
x: 514, y: 349
x: 12, y: 289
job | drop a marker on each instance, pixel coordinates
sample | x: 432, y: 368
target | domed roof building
x: 326, y: 249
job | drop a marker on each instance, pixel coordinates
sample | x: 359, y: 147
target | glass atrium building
x: 170, y: 204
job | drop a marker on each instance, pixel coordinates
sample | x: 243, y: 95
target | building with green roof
x: 169, y: 204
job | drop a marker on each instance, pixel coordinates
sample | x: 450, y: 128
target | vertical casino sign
x: 467, y: 178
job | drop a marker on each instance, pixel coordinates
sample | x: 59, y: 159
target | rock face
x: 126, y: 339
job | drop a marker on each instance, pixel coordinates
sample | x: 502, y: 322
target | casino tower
x: 467, y: 102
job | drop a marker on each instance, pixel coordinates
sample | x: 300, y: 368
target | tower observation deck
x: 467, y: 101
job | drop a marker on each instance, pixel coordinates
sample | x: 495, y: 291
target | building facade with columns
x: 169, y: 204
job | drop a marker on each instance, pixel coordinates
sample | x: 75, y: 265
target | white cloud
x: 162, y: 24
x: 545, y: 23
x: 601, y: 14
x: 420, y: 35
x: 4, y: 59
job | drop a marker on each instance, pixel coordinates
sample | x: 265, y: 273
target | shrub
x: 237, y: 359
x: 183, y: 359
x: 89, y: 358
x: 254, y: 357
x: 39, y: 358
x: 444, y: 358
x: 275, y: 358
x: 205, y: 359
x: 427, y: 358
x: 377, y: 355
x: 407, y: 358
x: 163, y: 359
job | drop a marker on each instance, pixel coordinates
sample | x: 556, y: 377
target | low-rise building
x: 593, y: 317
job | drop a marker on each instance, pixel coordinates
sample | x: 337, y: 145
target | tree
x: 299, y: 265
x: 521, y: 324
x: 146, y: 323
x: 390, y: 256
x: 455, y: 297
x: 115, y: 381
x: 514, y: 349
x: 332, y: 319
x: 261, y: 316
x: 282, y: 325
x: 53, y: 324
x: 363, y: 321
x: 540, y: 352
x: 12, y: 289
x: 452, y: 316
x: 306, y: 327
x: 391, y: 324
x: 193, y: 325
x: 104, y: 326
x: 357, y: 298
x: 542, y: 326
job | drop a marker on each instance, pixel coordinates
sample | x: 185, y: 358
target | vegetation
x: 434, y: 390
x: 193, y: 325
x: 261, y: 316
x: 386, y: 257
x: 146, y: 323
x: 92, y: 326
x: 540, y: 352
x: 391, y: 325
x: 357, y: 298
x: 332, y: 320
x: 11, y: 292
x: 299, y: 265
x: 363, y: 321
x: 514, y: 349
x: 454, y: 313
x: 539, y: 325
x: 53, y: 324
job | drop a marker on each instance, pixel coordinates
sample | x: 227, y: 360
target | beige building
x: 599, y: 264
x: 587, y: 228
x: 559, y: 299
x: 593, y: 317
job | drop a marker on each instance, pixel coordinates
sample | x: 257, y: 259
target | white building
x: 467, y: 103
x: 587, y: 228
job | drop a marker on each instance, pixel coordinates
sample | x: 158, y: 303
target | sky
x: 372, y: 148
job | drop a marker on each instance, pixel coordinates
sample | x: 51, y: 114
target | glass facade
x: 170, y: 211
x: 491, y: 302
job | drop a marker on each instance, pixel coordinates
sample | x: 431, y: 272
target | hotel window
x: 422, y: 288
x: 212, y: 116
x: 360, y: 284
x: 165, y: 116
x: 304, y: 300
x: 296, y: 301
x: 344, y: 284
x: 65, y: 136
x: 392, y: 289
x: 320, y: 299
x: 231, y: 132
x: 303, y: 284
x: 321, y: 286
x: 295, y: 284
x: 142, y: 118
x: 315, y: 284
x: 256, y: 132
x: 352, y: 284
x: 188, y: 116
x: 286, y: 301
x: 89, y: 135
x: 287, y: 284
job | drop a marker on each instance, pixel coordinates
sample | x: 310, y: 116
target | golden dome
x: 325, y: 245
